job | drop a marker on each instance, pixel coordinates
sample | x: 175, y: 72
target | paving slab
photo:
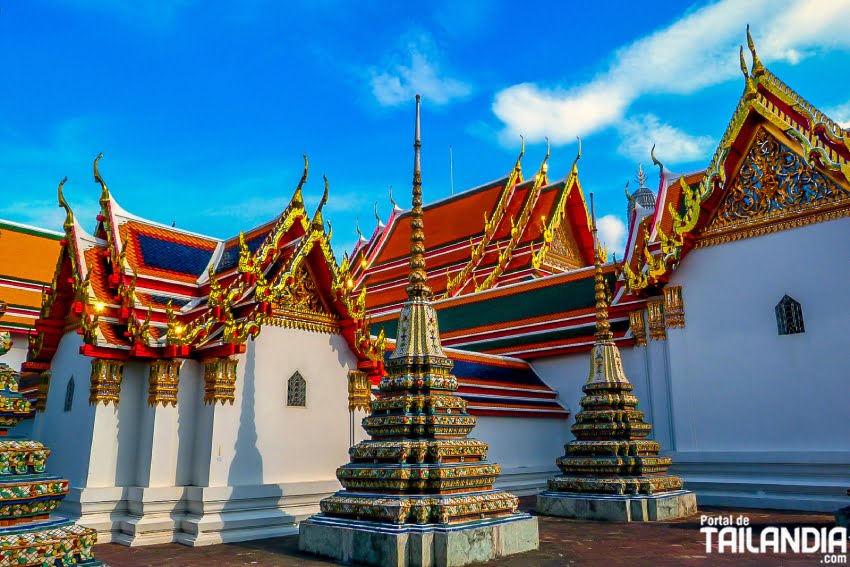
x: 562, y: 542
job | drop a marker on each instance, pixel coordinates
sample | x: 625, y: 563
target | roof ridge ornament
x: 396, y: 208
x: 68, y: 225
x: 297, y: 196
x: 641, y: 177
x: 657, y: 162
x: 544, y: 167
x: 318, y: 222
x: 578, y: 156
x: 750, y: 91
x: 378, y: 217
x: 758, y: 68
x: 104, y: 190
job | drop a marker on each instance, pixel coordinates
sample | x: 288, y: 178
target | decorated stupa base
x: 419, y: 492
x: 611, y: 471
x: 29, y: 532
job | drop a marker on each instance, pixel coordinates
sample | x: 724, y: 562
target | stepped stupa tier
x: 29, y: 534
x: 611, y: 470
x: 419, y: 492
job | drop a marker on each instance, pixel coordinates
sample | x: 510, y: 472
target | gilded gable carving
x: 564, y: 253
x: 301, y: 306
x: 775, y: 189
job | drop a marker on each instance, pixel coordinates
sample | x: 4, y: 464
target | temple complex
x: 196, y: 372
x: 611, y: 471
x: 419, y: 492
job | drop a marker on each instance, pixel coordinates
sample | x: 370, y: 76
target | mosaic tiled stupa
x: 29, y: 533
x: 419, y: 492
x: 611, y: 471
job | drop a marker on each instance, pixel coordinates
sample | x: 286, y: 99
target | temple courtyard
x: 562, y: 542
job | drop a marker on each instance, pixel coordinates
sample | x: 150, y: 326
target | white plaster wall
x: 68, y: 435
x: 259, y: 440
x: 737, y: 385
x: 517, y: 443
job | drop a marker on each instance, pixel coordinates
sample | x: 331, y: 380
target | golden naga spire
x: 69, y: 215
x: 297, y: 197
x: 318, y: 222
x: 758, y: 68
x: 750, y: 91
x: 603, y: 327
x: 417, y: 280
x: 104, y: 190
x: 656, y: 162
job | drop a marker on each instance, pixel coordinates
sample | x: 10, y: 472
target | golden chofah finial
x: 631, y: 199
x: 377, y: 216
x: 656, y: 162
x: 104, y: 190
x: 417, y: 279
x: 357, y: 228
x: 749, y: 85
x: 392, y: 201
x: 518, y: 164
x: 544, y: 167
x: 603, y: 326
x: 578, y: 155
x: 318, y: 222
x: 297, y: 197
x: 758, y: 68
x: 69, y: 215
x: 330, y: 231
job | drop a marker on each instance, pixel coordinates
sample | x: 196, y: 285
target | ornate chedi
x: 611, y: 471
x: 29, y: 535
x: 419, y: 492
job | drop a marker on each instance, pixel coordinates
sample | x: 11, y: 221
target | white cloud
x: 612, y: 232
x: 840, y: 113
x: 416, y: 70
x: 698, y: 50
x: 639, y: 133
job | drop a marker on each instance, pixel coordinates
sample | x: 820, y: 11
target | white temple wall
x: 525, y: 448
x: 741, y: 386
x: 761, y: 418
x: 68, y: 435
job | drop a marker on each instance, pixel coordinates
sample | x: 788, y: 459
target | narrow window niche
x: 789, y: 316
x: 296, y: 391
x: 69, y: 394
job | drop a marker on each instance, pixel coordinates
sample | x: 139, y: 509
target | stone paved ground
x: 562, y: 542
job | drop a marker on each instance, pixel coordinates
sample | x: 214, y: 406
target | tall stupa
x: 419, y: 492
x: 611, y: 471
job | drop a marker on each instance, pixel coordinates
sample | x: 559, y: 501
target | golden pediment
x: 301, y: 306
x: 774, y: 189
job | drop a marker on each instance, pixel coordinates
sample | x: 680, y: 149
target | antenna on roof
x: 451, y: 170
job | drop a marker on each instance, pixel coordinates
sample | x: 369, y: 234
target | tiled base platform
x: 667, y: 506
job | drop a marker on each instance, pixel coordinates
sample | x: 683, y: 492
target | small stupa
x: 29, y: 533
x: 419, y: 492
x: 611, y: 471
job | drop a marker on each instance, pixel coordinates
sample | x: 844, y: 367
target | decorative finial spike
x: 297, y: 197
x: 655, y: 160
x: 318, y: 222
x: 744, y: 69
x: 104, y: 190
x: 641, y: 176
x: 377, y: 216
x: 578, y: 155
x: 544, y: 167
x: 758, y: 68
x: 417, y: 280
x: 392, y: 201
x: 69, y: 215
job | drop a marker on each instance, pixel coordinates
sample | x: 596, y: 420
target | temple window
x: 789, y: 316
x: 296, y: 391
x: 69, y: 394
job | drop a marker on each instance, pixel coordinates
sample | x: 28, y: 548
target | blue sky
x: 203, y: 109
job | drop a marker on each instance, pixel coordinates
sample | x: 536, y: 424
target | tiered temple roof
x: 29, y: 257
x: 781, y: 163
x: 530, y: 228
x: 139, y: 289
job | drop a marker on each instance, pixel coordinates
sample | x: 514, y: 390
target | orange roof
x: 29, y: 257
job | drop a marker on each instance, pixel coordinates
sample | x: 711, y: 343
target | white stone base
x: 628, y: 508
x: 371, y: 543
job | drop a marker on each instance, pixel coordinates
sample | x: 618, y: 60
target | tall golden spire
x: 603, y: 327
x: 418, y: 280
